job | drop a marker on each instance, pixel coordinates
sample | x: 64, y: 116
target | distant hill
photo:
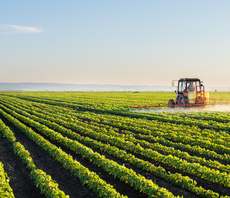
x: 78, y: 87
x: 89, y: 87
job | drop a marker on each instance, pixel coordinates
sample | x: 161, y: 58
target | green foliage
x: 43, y: 181
x: 48, y: 186
x: 167, y: 139
x: 5, y: 189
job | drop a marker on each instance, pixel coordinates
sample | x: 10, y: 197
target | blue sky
x: 123, y: 42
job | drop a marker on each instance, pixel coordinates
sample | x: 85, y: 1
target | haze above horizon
x: 115, y: 42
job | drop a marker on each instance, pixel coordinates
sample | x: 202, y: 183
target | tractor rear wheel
x: 171, y: 102
x: 182, y: 100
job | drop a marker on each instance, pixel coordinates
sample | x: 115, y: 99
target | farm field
x: 89, y: 144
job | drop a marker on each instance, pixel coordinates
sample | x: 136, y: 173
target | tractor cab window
x: 182, y: 86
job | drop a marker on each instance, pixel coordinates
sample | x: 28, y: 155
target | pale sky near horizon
x: 122, y: 42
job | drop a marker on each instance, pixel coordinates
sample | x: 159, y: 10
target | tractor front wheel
x: 171, y: 102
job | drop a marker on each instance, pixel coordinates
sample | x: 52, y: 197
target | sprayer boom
x: 212, y: 102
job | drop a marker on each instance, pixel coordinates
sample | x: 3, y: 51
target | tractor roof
x: 189, y: 79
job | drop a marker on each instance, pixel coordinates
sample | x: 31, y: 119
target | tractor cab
x: 188, y: 85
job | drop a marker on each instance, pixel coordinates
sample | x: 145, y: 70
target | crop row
x: 124, y: 174
x: 47, y: 186
x: 208, y: 139
x: 146, y: 136
x: 94, y: 100
x: 178, y: 133
x: 154, y: 146
x: 215, y: 116
x: 105, y: 138
x: 177, y: 179
x: 160, y: 147
x: 193, y: 131
x: 210, y: 124
x: 105, y: 106
x: 163, y: 134
x: 91, y: 179
x: 5, y: 189
x: 170, y: 144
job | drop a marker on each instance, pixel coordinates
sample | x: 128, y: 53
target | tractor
x: 190, y: 92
